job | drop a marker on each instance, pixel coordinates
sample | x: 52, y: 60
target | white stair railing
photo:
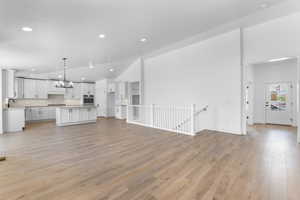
x: 170, y: 118
x: 192, y: 119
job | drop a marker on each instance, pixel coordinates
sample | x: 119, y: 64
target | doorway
x: 271, y: 90
x: 278, y: 103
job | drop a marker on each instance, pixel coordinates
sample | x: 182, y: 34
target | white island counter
x: 71, y: 115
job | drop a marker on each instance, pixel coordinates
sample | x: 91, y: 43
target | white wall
x: 273, y: 39
x: 273, y: 72
x: 205, y: 73
x: 132, y: 73
x: 208, y: 72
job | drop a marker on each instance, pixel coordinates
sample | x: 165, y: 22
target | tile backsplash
x: 52, y: 99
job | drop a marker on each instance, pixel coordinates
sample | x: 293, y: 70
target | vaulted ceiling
x: 71, y: 28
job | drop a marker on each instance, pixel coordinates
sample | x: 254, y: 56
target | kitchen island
x: 72, y: 115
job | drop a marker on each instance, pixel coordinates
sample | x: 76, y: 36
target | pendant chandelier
x: 64, y: 83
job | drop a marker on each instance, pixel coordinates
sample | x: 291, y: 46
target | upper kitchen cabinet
x: 29, y: 89
x: 73, y: 93
x: 92, y: 88
x: 8, y: 86
x: 42, y: 89
x: 87, y: 88
x: 35, y: 89
x: 52, y: 89
x: 84, y: 88
x: 19, y: 88
x: 111, y: 87
x: 76, y: 91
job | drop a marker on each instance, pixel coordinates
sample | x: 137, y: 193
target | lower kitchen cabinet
x: 39, y: 113
x: 13, y: 119
x: 75, y: 115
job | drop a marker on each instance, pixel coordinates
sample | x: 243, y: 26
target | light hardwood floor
x: 112, y: 160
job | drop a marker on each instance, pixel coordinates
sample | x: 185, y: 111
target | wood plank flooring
x: 112, y: 160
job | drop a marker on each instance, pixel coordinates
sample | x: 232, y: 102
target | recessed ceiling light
x: 59, y: 76
x: 111, y: 70
x: 26, y: 29
x: 82, y: 78
x: 33, y: 69
x: 264, y: 5
x: 102, y: 36
x: 91, y: 67
x: 143, y: 40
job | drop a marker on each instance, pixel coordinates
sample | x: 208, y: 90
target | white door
x: 278, y: 103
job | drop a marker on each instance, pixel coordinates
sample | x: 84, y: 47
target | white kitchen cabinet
x: 41, y: 89
x: 13, y: 119
x: 34, y: 114
x: 51, y: 112
x: 9, y: 84
x: 87, y: 88
x: 66, y: 116
x: 91, y: 88
x: 83, y: 115
x: 111, y: 87
x: 29, y: 89
x: 39, y: 113
x: 69, y: 93
x: 73, y: 93
x: 74, y: 115
x: 19, y: 88
x: 84, y: 88
x: 54, y: 90
x: 76, y: 91
x: 35, y: 89
x: 92, y: 113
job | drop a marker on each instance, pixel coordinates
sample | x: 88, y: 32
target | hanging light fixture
x: 64, y: 83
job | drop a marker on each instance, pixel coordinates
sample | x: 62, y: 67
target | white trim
x: 243, y: 85
x: 76, y: 123
x: 298, y: 99
x: 164, y: 129
x: 1, y: 103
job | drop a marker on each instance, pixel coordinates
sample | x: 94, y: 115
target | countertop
x: 80, y: 106
x: 14, y: 108
x: 52, y: 106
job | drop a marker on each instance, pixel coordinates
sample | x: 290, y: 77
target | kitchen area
x: 26, y: 100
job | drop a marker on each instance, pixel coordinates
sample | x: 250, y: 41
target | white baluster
x: 193, y: 119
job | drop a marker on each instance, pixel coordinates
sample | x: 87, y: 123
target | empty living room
x: 149, y: 100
